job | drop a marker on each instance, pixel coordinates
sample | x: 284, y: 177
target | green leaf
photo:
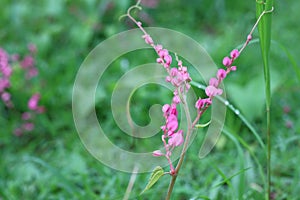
x: 203, y: 125
x: 155, y: 175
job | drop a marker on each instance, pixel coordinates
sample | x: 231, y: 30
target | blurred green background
x: 51, y: 162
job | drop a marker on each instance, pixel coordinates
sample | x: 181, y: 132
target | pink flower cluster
x: 6, y: 71
x: 28, y: 62
x: 28, y: 116
x: 179, y: 78
x: 213, y: 89
x: 5, y: 74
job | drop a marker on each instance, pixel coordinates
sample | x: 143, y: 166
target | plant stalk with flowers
x: 179, y: 77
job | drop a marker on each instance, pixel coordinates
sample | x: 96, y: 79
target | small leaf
x: 155, y: 175
x: 203, y: 125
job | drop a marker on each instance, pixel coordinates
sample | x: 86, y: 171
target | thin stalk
x: 264, y: 29
x: 185, y: 146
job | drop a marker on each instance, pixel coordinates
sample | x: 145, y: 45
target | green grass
x: 52, y: 163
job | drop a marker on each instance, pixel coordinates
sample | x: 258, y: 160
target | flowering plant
x: 179, y: 77
x: 16, y: 82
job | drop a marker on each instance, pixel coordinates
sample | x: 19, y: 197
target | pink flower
x: 157, y: 153
x: 176, y: 139
x: 200, y: 103
x: 158, y: 47
x: 28, y: 61
x: 176, y: 99
x: 234, y: 53
x: 32, y: 48
x: 4, y: 83
x: 227, y: 61
x: 28, y: 126
x: 26, y: 115
x: 172, y: 123
x: 7, y: 71
x: 168, y: 60
x: 166, y: 108
x: 212, y: 91
x: 148, y: 39
x: 15, y: 57
x: 159, y: 60
x: 33, y: 102
x: 162, y: 53
x: 221, y: 74
x: 168, y: 79
x: 173, y: 110
x: 18, y: 132
x: 5, y: 96
x: 214, y: 82
x: 174, y: 72
x: 32, y: 72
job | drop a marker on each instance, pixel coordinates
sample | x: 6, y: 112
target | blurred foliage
x: 52, y: 163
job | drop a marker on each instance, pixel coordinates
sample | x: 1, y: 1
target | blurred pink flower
x: 4, y: 83
x: 18, y: 132
x: 32, y: 72
x: 33, y: 102
x: 28, y: 126
x: 27, y: 62
x: 26, y: 115
x: 5, y: 96
x: 32, y: 48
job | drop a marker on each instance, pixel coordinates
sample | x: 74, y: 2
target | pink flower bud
x: 166, y: 108
x: 221, y: 74
x: 173, y: 110
x: 158, y: 47
x: 168, y: 79
x: 213, y: 82
x: 159, y: 60
x: 200, y: 103
x: 233, y: 68
x: 168, y: 59
x: 249, y: 37
x: 176, y: 99
x: 174, y: 72
x: 148, y: 39
x: 234, y: 53
x: 157, y: 153
x: 162, y: 53
x: 227, y: 61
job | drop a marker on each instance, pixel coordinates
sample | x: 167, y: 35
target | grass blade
x: 264, y: 28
